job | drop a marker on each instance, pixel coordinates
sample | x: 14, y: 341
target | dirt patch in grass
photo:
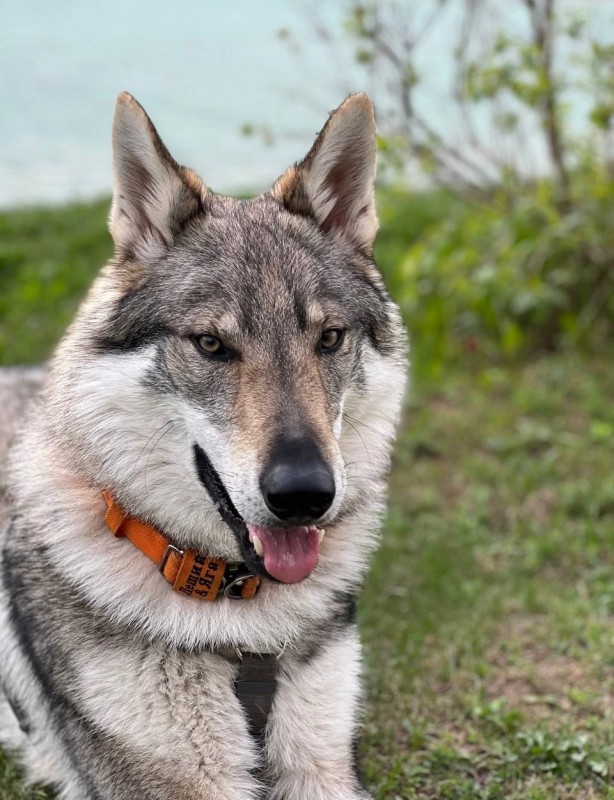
x: 540, y: 682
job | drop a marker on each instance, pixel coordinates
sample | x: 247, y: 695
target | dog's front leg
x: 312, y: 729
x: 166, y: 725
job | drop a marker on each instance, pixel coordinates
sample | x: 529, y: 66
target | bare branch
x: 542, y: 28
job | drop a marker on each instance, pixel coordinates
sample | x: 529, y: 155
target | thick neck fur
x: 97, y: 426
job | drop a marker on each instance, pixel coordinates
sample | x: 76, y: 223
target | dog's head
x: 238, y: 353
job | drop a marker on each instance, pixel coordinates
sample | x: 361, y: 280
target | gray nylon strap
x: 254, y: 686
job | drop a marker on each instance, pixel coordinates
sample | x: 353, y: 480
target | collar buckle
x: 170, y: 548
x: 242, y: 587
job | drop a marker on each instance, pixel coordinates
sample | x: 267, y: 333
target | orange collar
x: 188, y: 571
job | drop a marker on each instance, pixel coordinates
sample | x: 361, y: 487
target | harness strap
x: 254, y: 686
x: 188, y: 571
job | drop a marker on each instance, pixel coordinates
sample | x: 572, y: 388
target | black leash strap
x: 217, y: 492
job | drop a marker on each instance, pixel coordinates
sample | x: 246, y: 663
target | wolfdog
x: 193, y: 494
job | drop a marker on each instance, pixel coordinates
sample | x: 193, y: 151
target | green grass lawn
x: 488, y: 615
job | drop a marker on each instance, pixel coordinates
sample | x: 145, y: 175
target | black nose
x: 297, y: 483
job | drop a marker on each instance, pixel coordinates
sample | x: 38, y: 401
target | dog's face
x: 239, y: 344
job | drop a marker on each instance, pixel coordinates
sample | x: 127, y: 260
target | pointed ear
x: 153, y: 197
x: 334, y: 184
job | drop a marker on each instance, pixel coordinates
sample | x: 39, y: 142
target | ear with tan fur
x: 334, y: 184
x: 153, y: 197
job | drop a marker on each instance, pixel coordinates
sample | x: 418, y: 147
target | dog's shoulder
x: 18, y: 387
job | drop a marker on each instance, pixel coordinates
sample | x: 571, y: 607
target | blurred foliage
x: 504, y: 259
x: 48, y: 258
x: 507, y: 279
x: 519, y: 83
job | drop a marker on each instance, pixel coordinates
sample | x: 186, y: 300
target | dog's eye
x: 331, y: 339
x: 211, y: 346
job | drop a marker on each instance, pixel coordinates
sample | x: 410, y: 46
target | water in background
x: 201, y: 68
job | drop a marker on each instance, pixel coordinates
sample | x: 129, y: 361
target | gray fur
x: 18, y: 387
x: 112, y: 685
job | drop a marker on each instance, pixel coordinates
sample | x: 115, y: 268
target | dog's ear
x: 334, y: 184
x: 153, y: 197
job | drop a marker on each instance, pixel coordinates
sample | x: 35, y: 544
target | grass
x: 487, y: 617
x: 48, y: 258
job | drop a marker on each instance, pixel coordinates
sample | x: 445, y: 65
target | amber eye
x: 211, y: 346
x: 331, y: 339
x: 208, y: 343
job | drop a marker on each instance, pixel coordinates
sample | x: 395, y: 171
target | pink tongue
x: 290, y: 554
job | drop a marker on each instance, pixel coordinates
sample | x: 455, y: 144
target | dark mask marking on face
x: 134, y: 323
x: 134, y: 338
